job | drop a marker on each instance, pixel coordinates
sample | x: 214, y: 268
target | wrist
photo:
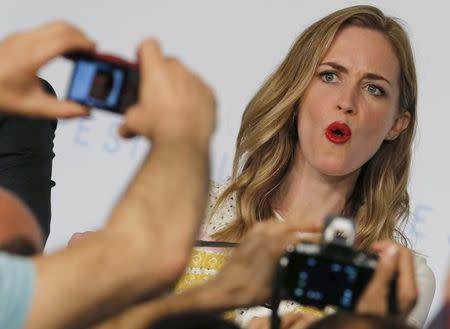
x: 215, y: 296
x: 197, y: 299
x: 189, y: 146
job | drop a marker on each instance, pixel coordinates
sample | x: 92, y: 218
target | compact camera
x: 331, y: 273
x: 103, y: 81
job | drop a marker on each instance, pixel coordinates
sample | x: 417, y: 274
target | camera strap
x: 215, y: 244
x: 275, y: 321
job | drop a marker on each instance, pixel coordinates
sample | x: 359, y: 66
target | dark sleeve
x: 26, y: 156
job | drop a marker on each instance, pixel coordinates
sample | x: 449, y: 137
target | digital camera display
x: 320, y: 282
x: 102, y: 85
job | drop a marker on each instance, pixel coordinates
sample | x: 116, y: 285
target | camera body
x: 331, y: 273
x: 103, y: 81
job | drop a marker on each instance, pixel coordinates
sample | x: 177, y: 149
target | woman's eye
x: 374, y: 90
x: 328, y: 76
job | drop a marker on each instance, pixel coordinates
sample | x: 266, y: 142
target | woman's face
x: 351, y: 105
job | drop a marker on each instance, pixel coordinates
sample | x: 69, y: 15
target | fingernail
x: 391, y: 251
x: 307, y: 235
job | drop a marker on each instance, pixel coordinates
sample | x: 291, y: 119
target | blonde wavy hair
x: 267, y: 138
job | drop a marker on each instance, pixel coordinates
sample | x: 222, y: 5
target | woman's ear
x: 400, y: 124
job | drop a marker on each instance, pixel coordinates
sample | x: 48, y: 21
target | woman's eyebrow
x: 370, y: 75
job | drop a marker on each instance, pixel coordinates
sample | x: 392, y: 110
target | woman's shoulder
x: 426, y: 286
x: 423, y: 271
x: 217, y: 217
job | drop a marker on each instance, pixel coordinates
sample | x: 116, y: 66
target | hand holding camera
x: 23, y: 54
x: 333, y: 273
x: 395, y: 262
x: 174, y: 104
x: 176, y: 101
x: 103, y: 81
x: 246, y: 279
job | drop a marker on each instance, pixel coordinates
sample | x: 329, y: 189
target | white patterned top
x: 226, y: 213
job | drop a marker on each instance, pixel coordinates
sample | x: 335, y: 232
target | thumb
x: 45, y: 106
x: 130, y: 126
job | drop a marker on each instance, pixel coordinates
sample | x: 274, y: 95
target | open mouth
x: 338, y: 133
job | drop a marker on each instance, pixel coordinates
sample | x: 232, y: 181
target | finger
x: 132, y: 123
x: 289, y: 319
x: 280, y: 234
x: 59, y: 38
x: 45, y: 106
x: 258, y: 323
x: 276, y: 236
x: 386, y: 268
x: 310, y: 237
x: 149, y: 57
x: 269, y: 228
x: 374, y: 297
x: 302, y: 322
x: 406, y: 282
x: 277, y: 246
x: 302, y: 233
x: 79, y: 236
x: 310, y: 226
x: 285, y: 241
x: 75, y: 237
x: 125, y: 131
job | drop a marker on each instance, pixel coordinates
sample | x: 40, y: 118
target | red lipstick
x: 338, y: 132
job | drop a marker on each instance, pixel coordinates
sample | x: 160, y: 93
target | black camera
x: 103, y: 81
x: 331, y: 273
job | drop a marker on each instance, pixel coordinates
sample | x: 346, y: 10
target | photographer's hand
x: 395, y: 261
x: 22, y: 54
x: 175, y: 105
x: 246, y: 280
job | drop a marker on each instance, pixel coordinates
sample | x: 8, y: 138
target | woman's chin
x: 335, y: 169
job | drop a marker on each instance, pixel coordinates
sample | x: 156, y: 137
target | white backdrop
x: 234, y: 45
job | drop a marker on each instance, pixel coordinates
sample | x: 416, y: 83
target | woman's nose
x: 347, y: 100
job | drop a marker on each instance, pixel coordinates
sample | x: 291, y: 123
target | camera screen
x: 97, y: 84
x: 102, y: 85
x: 320, y: 282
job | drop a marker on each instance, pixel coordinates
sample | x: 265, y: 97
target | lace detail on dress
x: 206, y: 261
x: 223, y: 216
x: 202, y: 266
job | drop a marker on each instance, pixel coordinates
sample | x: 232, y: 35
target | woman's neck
x: 307, y: 196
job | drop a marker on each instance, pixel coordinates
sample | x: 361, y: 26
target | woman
x: 330, y: 131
